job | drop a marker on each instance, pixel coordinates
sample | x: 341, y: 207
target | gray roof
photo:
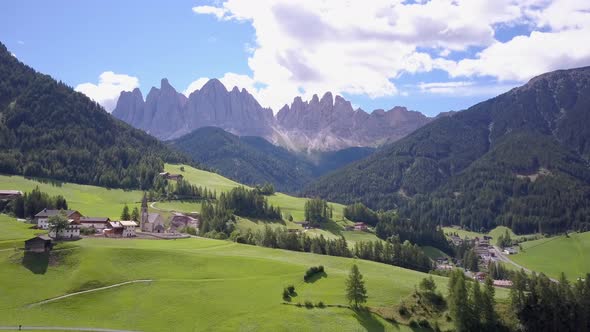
x: 50, y: 213
x: 152, y: 217
x: 94, y: 219
x: 39, y: 237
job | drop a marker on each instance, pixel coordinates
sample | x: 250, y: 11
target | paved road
x: 89, y: 291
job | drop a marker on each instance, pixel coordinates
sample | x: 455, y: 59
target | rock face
x: 324, y: 124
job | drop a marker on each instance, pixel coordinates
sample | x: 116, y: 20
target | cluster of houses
x: 150, y: 223
x: 170, y: 176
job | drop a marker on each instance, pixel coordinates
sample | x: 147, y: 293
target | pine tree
x: 356, y: 292
x: 125, y: 214
x: 488, y: 312
x: 135, y: 214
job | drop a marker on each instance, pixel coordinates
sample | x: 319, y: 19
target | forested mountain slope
x: 520, y: 159
x: 253, y: 160
x: 49, y: 130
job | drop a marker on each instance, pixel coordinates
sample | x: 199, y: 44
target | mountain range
x: 253, y: 160
x: 520, y: 159
x: 325, y: 124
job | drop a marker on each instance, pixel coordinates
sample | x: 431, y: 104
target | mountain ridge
x: 325, y: 124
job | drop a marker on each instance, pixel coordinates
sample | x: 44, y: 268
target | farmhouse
x: 180, y: 220
x: 70, y: 232
x: 123, y: 228
x: 509, y: 251
x: 98, y: 223
x: 169, y: 176
x: 503, y: 283
x: 360, y: 226
x: 41, y: 218
x: 10, y: 194
x: 41, y: 243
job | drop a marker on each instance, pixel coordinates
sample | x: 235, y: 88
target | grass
x: 89, y: 200
x: 433, y: 253
x: 355, y: 236
x: 208, y: 285
x: 557, y: 254
x: 14, y: 232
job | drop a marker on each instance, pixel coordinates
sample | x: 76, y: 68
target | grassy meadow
x: 554, y: 255
x: 89, y: 200
x: 197, y: 284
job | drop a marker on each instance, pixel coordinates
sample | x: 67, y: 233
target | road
x: 504, y: 258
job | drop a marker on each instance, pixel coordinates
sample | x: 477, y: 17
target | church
x: 150, y: 222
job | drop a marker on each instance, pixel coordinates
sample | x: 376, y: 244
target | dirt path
x: 58, y: 328
x: 88, y: 291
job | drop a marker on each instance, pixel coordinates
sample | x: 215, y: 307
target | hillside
x: 253, y: 160
x: 209, y: 285
x: 49, y: 130
x: 519, y: 160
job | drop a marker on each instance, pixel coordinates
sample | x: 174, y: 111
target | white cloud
x: 108, y: 89
x: 218, y: 12
x: 464, y: 88
x: 362, y: 47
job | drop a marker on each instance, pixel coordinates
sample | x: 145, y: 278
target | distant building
x: 70, y: 232
x: 170, y: 176
x: 10, y: 194
x: 180, y: 220
x: 98, y: 223
x: 509, y: 251
x: 479, y: 276
x: 456, y: 240
x: 503, y: 283
x: 303, y: 224
x: 128, y: 228
x: 360, y: 226
x: 42, y: 218
x: 41, y: 243
x: 150, y: 222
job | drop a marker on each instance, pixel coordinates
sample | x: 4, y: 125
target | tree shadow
x: 368, y: 320
x: 316, y: 277
x: 36, y: 262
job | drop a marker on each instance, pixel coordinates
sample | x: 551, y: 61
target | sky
x: 431, y: 55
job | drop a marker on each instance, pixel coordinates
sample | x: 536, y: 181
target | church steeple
x: 144, y: 213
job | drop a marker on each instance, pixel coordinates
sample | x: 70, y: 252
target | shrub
x: 414, y: 324
x: 298, y: 304
x: 88, y: 231
x: 313, y: 271
x: 403, y: 310
x: 286, y: 295
x: 291, y: 289
x: 308, y: 304
x: 424, y: 323
x: 320, y: 305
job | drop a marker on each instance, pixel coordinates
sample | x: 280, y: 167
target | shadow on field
x: 36, y: 262
x: 316, y: 277
x: 368, y: 320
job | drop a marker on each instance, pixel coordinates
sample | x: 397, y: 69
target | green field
x: 433, y: 253
x: 557, y: 254
x: 289, y: 204
x: 494, y: 233
x: 89, y: 200
x: 14, y: 232
x: 197, y: 284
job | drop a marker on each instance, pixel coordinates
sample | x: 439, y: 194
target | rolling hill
x: 253, y: 160
x: 49, y: 130
x: 519, y: 160
x: 208, y: 285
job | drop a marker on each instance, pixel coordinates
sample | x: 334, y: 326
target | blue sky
x: 431, y: 56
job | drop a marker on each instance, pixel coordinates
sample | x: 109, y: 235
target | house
x: 479, y: 276
x: 503, y: 283
x: 128, y: 228
x: 360, y: 226
x: 180, y: 220
x: 114, y: 229
x: 150, y: 222
x: 509, y: 251
x: 349, y: 228
x: 98, y: 223
x: 456, y: 240
x: 70, y: 232
x: 41, y: 243
x: 170, y: 176
x: 304, y: 224
x: 42, y: 218
x: 10, y: 194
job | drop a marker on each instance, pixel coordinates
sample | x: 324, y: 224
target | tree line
x: 31, y: 203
